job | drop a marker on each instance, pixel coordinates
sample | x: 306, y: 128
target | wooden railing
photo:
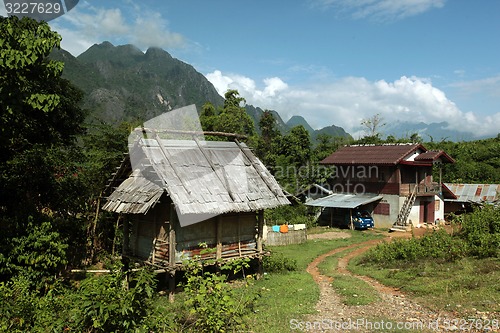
x: 421, y: 189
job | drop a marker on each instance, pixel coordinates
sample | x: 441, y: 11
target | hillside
x: 122, y: 83
x: 299, y: 120
x: 334, y: 131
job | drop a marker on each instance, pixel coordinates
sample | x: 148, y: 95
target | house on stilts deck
x: 180, y: 197
x: 392, y: 182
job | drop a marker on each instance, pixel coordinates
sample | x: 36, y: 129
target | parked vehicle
x: 360, y: 219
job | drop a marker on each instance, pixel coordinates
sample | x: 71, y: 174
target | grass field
x: 465, y: 286
x: 294, y: 295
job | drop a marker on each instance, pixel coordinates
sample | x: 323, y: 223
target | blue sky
x: 331, y: 61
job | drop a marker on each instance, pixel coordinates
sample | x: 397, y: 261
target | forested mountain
x: 333, y: 131
x: 299, y: 120
x: 121, y: 83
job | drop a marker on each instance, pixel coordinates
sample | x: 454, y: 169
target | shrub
x: 437, y: 245
x: 213, y: 303
x: 296, y: 214
x: 106, y: 305
x: 40, y: 255
x: 481, y: 231
x: 278, y: 263
x: 17, y: 305
x: 100, y: 304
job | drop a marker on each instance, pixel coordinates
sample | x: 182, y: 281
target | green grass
x: 352, y: 290
x: 284, y: 296
x: 461, y: 286
x: 464, y: 286
x: 294, y: 295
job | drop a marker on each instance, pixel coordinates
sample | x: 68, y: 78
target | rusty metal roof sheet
x: 201, y: 177
x: 474, y: 192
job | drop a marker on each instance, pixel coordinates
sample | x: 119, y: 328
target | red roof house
x: 400, y: 174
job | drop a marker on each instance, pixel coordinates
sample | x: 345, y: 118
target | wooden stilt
x: 171, y: 286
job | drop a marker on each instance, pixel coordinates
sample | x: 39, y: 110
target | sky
x: 330, y: 61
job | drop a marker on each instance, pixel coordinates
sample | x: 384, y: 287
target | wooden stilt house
x: 181, y: 197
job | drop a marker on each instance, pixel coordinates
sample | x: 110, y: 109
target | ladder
x: 401, y: 221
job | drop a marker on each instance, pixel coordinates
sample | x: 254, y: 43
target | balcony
x: 422, y: 189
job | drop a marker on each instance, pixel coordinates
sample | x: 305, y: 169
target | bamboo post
x: 171, y: 285
x: 126, y: 237
x: 171, y: 237
x: 351, y: 223
x: 260, y: 230
x: 218, y: 236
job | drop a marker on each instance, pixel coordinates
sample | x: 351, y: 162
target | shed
x: 192, y: 199
x: 461, y: 197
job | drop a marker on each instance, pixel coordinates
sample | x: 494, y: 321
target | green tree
x: 40, y: 163
x: 38, y: 106
x: 39, y: 114
x: 269, y: 141
x: 293, y: 162
x: 232, y: 117
x: 208, y: 117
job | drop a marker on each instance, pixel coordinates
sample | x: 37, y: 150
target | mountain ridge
x: 123, y: 83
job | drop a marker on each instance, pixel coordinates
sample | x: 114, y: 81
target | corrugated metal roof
x: 201, y: 177
x: 372, y: 154
x: 340, y: 200
x: 474, y: 192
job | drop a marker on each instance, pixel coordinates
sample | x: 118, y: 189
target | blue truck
x: 359, y: 219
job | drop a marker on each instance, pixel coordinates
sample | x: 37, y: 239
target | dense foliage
x: 99, y: 304
x: 478, y: 236
x: 476, y: 161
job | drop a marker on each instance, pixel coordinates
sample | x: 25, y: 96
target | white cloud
x: 86, y: 25
x: 152, y: 30
x: 380, y: 10
x: 346, y: 101
x: 490, y: 85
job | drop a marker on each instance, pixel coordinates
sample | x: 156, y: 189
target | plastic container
x: 283, y: 228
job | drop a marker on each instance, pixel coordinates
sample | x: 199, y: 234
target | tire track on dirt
x: 393, y: 305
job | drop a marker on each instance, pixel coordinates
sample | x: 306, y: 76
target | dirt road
x: 394, y: 312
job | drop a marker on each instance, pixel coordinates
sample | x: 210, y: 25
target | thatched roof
x: 201, y: 177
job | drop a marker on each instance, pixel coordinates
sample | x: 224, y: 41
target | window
x: 383, y: 208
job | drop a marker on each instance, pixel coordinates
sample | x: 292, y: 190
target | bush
x: 100, y: 304
x: 481, y: 231
x: 213, y: 303
x: 437, y: 245
x: 479, y: 237
x: 17, y: 305
x: 40, y: 255
x: 278, y: 263
x: 297, y: 214
x: 106, y: 305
